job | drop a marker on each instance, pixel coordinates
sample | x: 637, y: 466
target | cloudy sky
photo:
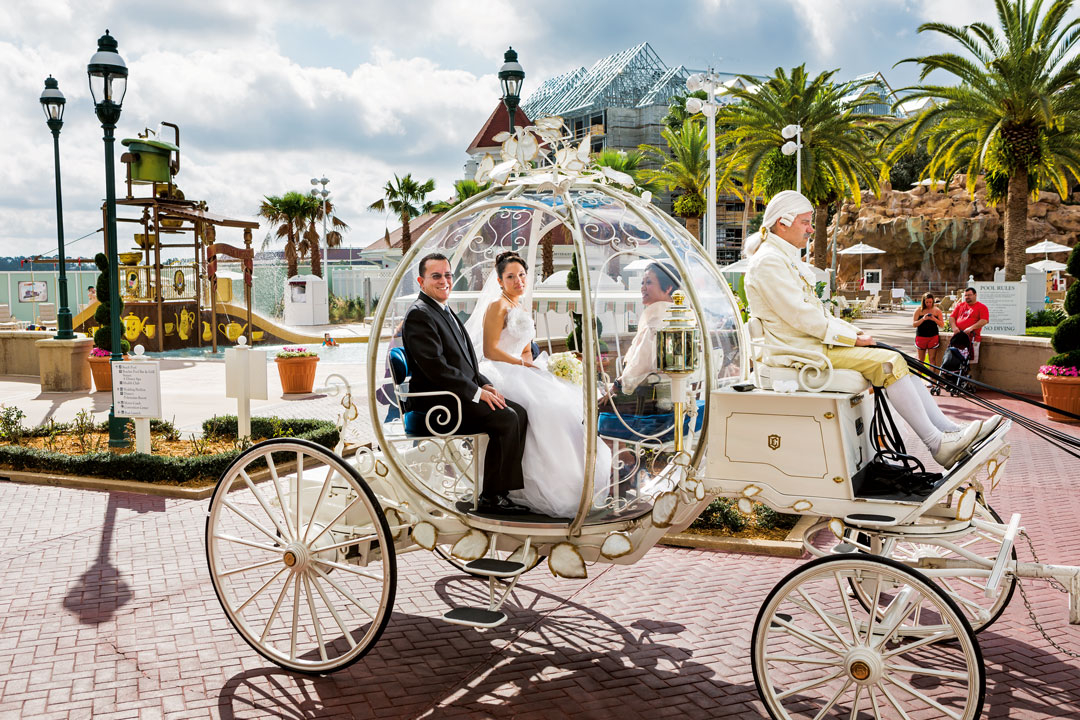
x: 271, y: 93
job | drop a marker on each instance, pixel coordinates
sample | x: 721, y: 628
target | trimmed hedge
x: 162, y: 468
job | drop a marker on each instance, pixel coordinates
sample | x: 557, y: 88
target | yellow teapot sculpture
x: 185, y: 323
x: 233, y: 330
x: 207, y: 332
x: 133, y: 326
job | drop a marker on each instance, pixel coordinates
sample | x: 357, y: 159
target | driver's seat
x: 816, y: 374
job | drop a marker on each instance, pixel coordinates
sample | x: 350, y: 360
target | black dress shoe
x: 500, y: 505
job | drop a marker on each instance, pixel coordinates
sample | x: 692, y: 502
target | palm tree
x: 683, y: 169
x: 837, y: 155
x: 310, y: 242
x: 1012, y: 113
x: 404, y: 198
x: 292, y: 213
x: 463, y: 190
x: 626, y: 161
x: 677, y: 113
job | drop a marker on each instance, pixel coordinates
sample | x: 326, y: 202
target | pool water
x: 344, y: 354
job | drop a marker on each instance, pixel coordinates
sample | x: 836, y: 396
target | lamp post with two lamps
x: 108, y: 84
x: 322, y: 195
x: 793, y: 146
x: 52, y: 102
x: 710, y: 83
x: 511, y: 76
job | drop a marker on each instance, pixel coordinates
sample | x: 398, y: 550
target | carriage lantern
x: 677, y: 355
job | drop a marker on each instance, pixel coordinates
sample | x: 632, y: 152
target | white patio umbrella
x: 1047, y: 246
x: 860, y: 250
x: 1048, y: 265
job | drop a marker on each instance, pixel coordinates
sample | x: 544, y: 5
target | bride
x: 555, y: 444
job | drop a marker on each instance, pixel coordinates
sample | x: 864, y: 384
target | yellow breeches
x: 881, y: 367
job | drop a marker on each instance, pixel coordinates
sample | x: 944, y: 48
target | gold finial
x: 677, y: 297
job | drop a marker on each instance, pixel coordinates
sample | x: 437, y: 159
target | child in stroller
x: 957, y: 362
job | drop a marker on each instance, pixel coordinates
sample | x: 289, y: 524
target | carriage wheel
x: 817, y: 653
x: 307, y: 578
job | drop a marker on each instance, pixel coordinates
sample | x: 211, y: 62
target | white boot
x: 954, y: 444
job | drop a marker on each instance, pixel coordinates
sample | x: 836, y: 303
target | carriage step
x: 490, y: 567
x: 475, y: 617
x: 870, y: 520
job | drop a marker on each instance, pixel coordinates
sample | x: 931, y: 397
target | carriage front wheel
x: 819, y: 653
x: 300, y: 555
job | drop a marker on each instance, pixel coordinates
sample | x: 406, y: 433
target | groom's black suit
x: 441, y: 357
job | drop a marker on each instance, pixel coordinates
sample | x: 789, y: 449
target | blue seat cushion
x: 611, y: 425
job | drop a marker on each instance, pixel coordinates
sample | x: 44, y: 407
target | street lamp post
x: 794, y: 147
x: 52, y: 102
x: 108, y: 83
x: 511, y: 75
x: 710, y: 83
x: 323, y: 194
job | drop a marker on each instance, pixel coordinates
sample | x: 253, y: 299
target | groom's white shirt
x: 446, y: 308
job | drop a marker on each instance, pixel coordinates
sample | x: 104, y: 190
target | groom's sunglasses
x: 439, y: 276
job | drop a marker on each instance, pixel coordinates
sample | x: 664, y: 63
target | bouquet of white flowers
x: 566, y: 366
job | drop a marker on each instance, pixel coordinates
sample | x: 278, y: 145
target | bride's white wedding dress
x: 554, y: 462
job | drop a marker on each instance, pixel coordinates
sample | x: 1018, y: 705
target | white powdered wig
x: 782, y: 208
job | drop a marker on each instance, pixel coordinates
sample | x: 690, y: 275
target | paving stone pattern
x: 107, y: 611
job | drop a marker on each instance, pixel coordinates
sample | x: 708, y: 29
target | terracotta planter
x: 101, y: 372
x: 1062, y: 393
x: 297, y: 374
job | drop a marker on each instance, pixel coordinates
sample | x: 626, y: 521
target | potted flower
x: 296, y: 368
x: 100, y: 368
x: 1060, y: 376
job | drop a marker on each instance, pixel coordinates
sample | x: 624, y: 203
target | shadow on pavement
x: 101, y: 590
x: 499, y: 672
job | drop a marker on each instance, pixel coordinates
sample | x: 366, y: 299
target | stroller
x: 957, y: 364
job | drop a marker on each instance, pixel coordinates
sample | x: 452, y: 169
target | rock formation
x: 942, y: 235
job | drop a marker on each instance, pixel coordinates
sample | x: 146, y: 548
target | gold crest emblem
x: 774, y: 442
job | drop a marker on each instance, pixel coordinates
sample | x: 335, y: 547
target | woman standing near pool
x: 928, y: 321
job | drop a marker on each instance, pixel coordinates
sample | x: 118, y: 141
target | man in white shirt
x: 780, y: 291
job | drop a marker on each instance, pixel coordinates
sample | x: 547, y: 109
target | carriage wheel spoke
x: 928, y: 700
x: 299, y: 486
x: 348, y: 568
x: 873, y: 701
x: 249, y: 543
x: 280, y: 495
x: 343, y: 591
x: 347, y: 543
x: 314, y: 617
x: 843, y: 588
x: 334, y: 613
x: 335, y: 521
x: 251, y: 521
x: 832, y: 701
x: 806, y: 636
x: 235, y: 571
x: 295, y: 616
x: 809, y: 685
x: 904, y: 649
x: 892, y: 701
x: 912, y: 670
x: 874, y: 608
x: 806, y: 660
x: 274, y: 612
x: 330, y: 473
x: 265, y: 505
x: 821, y: 614
x: 855, y: 703
x: 255, y: 594
x: 916, y: 605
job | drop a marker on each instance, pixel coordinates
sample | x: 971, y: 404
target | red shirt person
x: 969, y: 316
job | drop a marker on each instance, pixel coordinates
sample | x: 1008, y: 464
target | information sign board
x: 1007, y: 302
x: 137, y: 389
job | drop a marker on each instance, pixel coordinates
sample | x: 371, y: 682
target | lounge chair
x: 7, y: 321
x: 47, y: 315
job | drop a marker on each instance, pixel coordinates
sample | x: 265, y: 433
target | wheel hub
x: 296, y: 556
x: 864, y: 666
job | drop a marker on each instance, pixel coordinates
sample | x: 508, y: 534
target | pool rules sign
x: 137, y: 389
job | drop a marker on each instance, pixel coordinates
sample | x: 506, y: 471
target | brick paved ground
x: 106, y: 611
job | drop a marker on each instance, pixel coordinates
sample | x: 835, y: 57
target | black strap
x: 958, y: 384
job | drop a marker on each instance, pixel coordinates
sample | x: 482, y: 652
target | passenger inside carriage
x: 780, y: 291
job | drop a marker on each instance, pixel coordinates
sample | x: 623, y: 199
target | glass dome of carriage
x: 611, y: 230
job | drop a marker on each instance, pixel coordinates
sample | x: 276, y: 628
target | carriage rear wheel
x: 818, y: 653
x: 300, y: 555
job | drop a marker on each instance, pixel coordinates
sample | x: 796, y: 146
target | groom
x: 441, y: 357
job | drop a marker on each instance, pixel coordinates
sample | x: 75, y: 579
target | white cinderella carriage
x: 302, y: 543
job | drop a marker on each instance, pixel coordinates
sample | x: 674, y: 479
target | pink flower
x: 99, y: 352
x: 1059, y: 371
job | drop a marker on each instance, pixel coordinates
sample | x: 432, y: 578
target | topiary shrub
x: 103, y: 314
x: 1066, y: 339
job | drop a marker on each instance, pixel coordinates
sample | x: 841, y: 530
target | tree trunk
x: 316, y: 260
x: 406, y: 236
x: 547, y: 253
x: 290, y: 257
x: 693, y: 226
x: 1016, y: 212
x: 821, y: 234
x: 748, y: 200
